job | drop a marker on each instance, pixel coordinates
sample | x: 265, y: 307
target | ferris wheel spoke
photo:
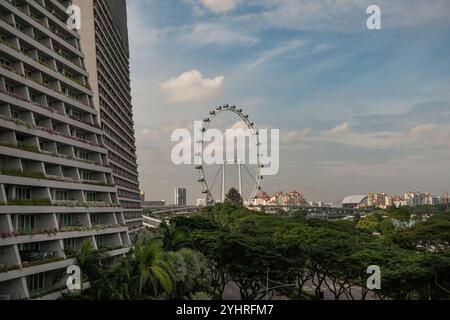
x: 215, y: 178
x: 249, y: 173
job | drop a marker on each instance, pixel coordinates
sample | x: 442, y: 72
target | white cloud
x: 297, y: 135
x: 215, y: 33
x: 421, y: 130
x: 276, y: 52
x: 343, y: 15
x: 191, y: 87
x: 220, y: 6
x: 430, y: 133
x: 338, y: 130
x: 343, y: 134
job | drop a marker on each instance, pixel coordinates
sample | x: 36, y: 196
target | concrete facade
x: 104, y: 41
x: 57, y: 183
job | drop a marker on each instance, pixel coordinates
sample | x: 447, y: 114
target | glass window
x: 10, y: 88
x: 15, y: 114
x: 26, y: 222
x: 69, y: 244
x: 65, y: 220
x: 23, y: 193
x: 91, y: 196
x: 35, y: 282
x: 88, y: 175
x: 61, y: 195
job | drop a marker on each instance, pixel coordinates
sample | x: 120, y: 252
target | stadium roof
x: 354, y: 199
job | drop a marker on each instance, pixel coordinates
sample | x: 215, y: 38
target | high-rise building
x: 56, y: 182
x: 180, y: 197
x: 104, y: 41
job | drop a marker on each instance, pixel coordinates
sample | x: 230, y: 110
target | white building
x: 57, y: 188
x: 180, y: 197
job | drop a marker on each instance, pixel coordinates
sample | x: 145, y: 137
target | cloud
x: 296, y: 135
x: 338, y: 130
x: 219, y: 6
x: 422, y: 130
x: 215, y: 33
x: 191, y: 87
x: 345, y: 15
x: 430, y: 133
x: 276, y: 52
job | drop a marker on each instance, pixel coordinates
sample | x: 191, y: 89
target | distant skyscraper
x: 104, y: 42
x: 180, y: 196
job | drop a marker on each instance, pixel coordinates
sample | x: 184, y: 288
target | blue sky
x: 358, y: 110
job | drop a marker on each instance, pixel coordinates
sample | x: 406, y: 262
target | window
x: 80, y: 135
x: 20, y: 26
x: 38, y: 38
x: 26, y: 222
x: 76, y: 115
x: 33, y: 98
x: 28, y: 73
x: 69, y: 75
x: 32, y: 246
x: 23, y: 193
x: 10, y: 88
x: 95, y: 218
x: 65, y: 220
x: 69, y: 244
x: 82, y: 155
x: 100, y: 241
x: 91, y: 196
x: 61, y: 195
x: 5, y: 62
x: 35, y: 282
x: 45, y: 81
x: 88, y: 176
x: 42, y: 60
x: 15, y: 114
x: 74, y: 95
x: 3, y: 38
x: 38, y: 123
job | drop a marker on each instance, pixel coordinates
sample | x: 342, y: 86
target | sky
x: 358, y: 110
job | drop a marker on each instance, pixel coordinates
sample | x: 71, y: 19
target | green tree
x: 233, y: 197
x: 152, y: 269
x: 178, y: 271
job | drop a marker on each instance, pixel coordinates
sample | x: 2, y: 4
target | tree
x: 151, y: 269
x: 92, y: 267
x: 200, y: 296
x: 178, y: 272
x: 233, y: 197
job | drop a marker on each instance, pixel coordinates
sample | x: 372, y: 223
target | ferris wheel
x: 231, y: 172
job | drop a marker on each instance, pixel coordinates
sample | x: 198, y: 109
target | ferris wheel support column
x: 223, y: 182
x: 240, y: 178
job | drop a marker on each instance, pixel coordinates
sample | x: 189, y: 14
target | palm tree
x: 90, y: 265
x: 152, y: 276
x: 173, y: 239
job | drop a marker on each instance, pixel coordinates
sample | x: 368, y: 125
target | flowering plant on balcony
x: 8, y: 234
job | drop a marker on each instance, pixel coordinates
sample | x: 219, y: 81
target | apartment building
x: 104, y: 41
x: 57, y: 185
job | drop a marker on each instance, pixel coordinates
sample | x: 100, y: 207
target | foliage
x: 196, y: 256
x: 233, y: 197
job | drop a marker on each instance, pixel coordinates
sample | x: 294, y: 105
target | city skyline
x: 358, y: 110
